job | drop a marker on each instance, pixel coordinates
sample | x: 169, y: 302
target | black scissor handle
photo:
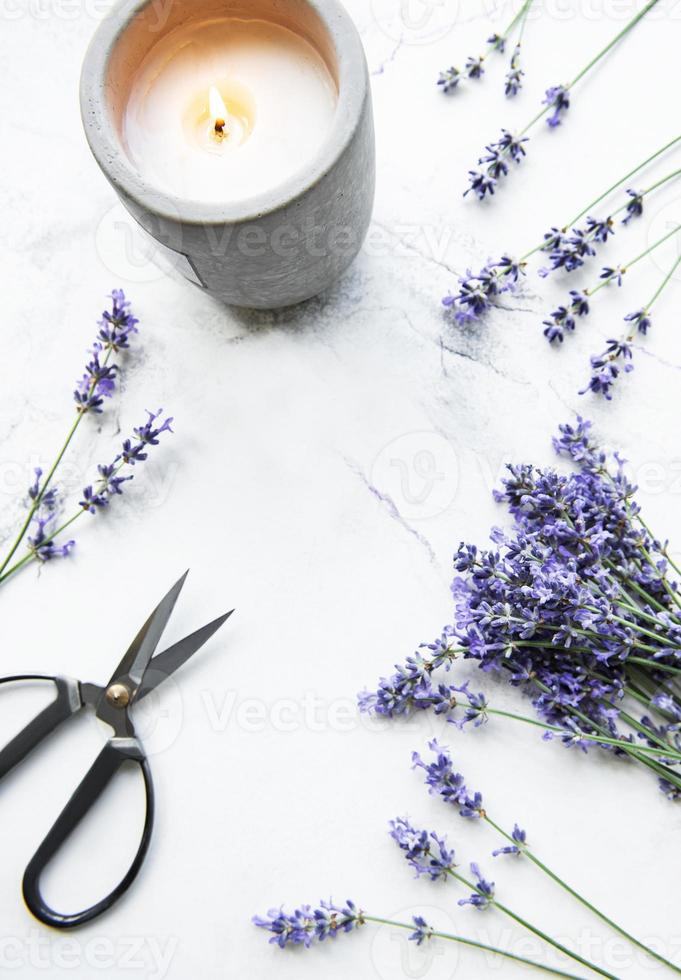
x: 67, y: 703
x: 106, y: 765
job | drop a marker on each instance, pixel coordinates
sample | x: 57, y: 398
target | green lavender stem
x: 648, y: 190
x: 658, y: 768
x: 472, y: 943
x: 31, y: 555
x: 520, y: 17
x: 594, y: 61
x: 663, y: 284
x: 36, y: 503
x: 527, y: 852
x: 588, y: 737
x: 622, y: 180
x: 534, y: 929
x: 634, y: 261
x: 618, y: 37
x: 48, y: 479
x: 667, y: 668
x: 523, y: 22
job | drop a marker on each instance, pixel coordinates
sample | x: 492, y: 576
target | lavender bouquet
x: 577, y: 604
x: 42, y: 531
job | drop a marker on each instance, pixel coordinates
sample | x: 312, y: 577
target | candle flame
x: 218, y: 109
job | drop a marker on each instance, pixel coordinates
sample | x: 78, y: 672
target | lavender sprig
x: 556, y: 101
x: 428, y: 854
x: 306, y: 926
x: 608, y: 366
x: 97, y: 383
x: 475, y: 66
x: 95, y: 497
x: 478, y: 292
x: 444, y: 781
x: 564, y: 318
x: 514, y: 76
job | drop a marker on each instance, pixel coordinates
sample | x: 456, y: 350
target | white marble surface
x: 291, y: 489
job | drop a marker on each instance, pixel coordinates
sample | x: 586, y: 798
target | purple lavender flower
x: 477, y: 292
x: 111, y: 483
x: 476, y: 709
x: 441, y: 778
x: 93, y: 501
x: 569, y: 252
x: 481, y: 184
x: 520, y: 838
x: 563, y: 318
x: 474, y: 67
x: 148, y: 434
x: 670, y: 790
x: 99, y: 380
x: 50, y: 500
x: 483, y: 897
x: 86, y: 402
x: 667, y: 705
x: 560, y: 320
x: 422, y: 932
x: 514, y: 76
x: 41, y: 544
x: 406, y: 690
x: 613, y: 273
x: 607, y: 367
x: 510, y: 270
x: 449, y: 79
x: 306, y: 925
x: 495, y: 160
x: 641, y: 320
x: 472, y: 808
x: 634, y: 207
x: 497, y: 43
x: 579, y: 302
x: 599, y: 230
x: 427, y: 853
x: 558, y: 98
x: 117, y: 323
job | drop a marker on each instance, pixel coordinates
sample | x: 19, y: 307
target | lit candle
x: 226, y: 109
x: 239, y: 134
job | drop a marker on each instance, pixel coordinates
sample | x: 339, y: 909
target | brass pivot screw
x: 118, y: 695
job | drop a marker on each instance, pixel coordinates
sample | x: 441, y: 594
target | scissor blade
x: 166, y: 663
x: 141, y: 650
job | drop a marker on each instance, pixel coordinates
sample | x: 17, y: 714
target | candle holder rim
x: 110, y: 154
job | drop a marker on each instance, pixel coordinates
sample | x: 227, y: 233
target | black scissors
x: 138, y: 673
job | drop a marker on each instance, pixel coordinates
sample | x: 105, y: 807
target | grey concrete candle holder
x: 269, y: 251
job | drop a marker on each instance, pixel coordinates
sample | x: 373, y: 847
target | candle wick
x: 220, y: 127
